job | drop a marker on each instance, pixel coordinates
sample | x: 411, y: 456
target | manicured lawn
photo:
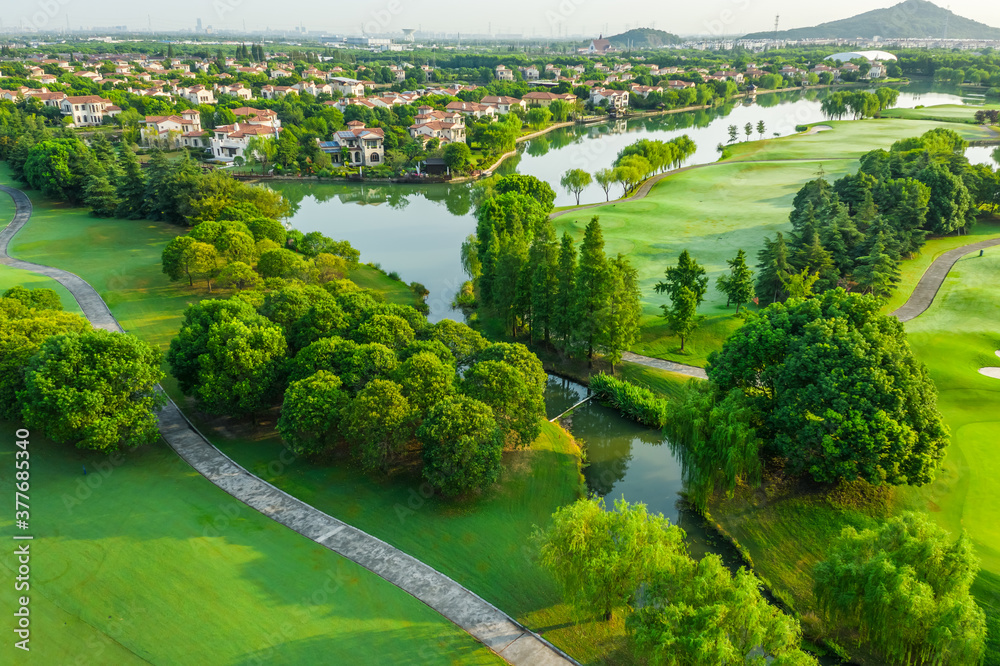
x: 666, y: 383
x: 482, y: 542
x: 144, y: 561
x: 847, y: 139
x: 712, y: 212
x: 913, y: 269
x: 394, y: 291
x: 953, y: 113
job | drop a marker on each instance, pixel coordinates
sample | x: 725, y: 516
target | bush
x: 992, y: 93
x: 637, y: 403
x: 395, y: 276
x: 801, y: 128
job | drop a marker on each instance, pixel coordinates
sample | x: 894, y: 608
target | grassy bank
x: 952, y: 113
x: 143, y: 550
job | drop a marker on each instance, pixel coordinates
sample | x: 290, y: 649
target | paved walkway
x: 495, y: 629
x: 679, y: 368
x: 932, y: 279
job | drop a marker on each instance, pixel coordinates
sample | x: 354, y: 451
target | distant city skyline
x: 550, y: 18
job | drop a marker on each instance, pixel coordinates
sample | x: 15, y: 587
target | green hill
x: 644, y: 38
x: 913, y: 18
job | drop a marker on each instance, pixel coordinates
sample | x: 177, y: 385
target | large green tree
x: 835, y: 390
x: 96, y: 389
x: 620, y: 319
x: 311, y: 411
x: 738, y: 285
x: 378, y: 423
x: 462, y: 445
x: 904, y: 587
x: 687, y: 273
x: 592, y: 287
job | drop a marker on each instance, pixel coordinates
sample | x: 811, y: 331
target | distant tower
x: 408, y: 34
x: 197, y: 26
x: 776, y: 17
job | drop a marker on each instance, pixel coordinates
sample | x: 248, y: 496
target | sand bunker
x: 990, y: 372
x: 817, y: 128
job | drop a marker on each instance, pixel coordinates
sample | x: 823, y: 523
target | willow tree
x: 904, y: 587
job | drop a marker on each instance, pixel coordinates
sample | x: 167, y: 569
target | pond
x: 417, y: 230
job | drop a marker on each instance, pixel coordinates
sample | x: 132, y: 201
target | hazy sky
x: 528, y: 17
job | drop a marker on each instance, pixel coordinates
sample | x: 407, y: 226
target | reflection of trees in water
x: 561, y: 394
x: 609, y: 439
x: 459, y: 200
x: 560, y: 138
x: 538, y: 147
x: 509, y: 165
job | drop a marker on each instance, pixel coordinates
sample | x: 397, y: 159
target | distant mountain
x: 913, y: 18
x: 644, y: 38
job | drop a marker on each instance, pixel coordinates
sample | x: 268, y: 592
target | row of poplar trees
x: 574, y: 298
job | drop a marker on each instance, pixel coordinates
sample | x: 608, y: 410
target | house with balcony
x: 544, y: 98
x: 616, y: 99
x: 230, y: 141
x: 263, y: 117
x: 346, y: 86
x: 474, y: 109
x: 356, y: 146
x: 198, y: 94
x: 504, y: 74
x: 446, y: 126
x: 177, y: 130
x: 530, y: 73
x: 88, y: 110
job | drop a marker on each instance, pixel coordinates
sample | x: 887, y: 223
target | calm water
x: 418, y: 230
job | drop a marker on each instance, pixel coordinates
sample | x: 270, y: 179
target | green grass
x: 665, y: 383
x: 786, y: 533
x: 953, y: 113
x: 394, y: 291
x: 848, y: 139
x: 152, y: 563
x: 712, y: 212
x: 10, y: 277
x: 913, y: 269
x: 482, y: 542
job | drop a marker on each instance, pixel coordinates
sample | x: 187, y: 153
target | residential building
x: 504, y: 74
x: 230, y: 141
x: 504, y: 104
x: 346, y: 86
x: 616, y: 99
x: 447, y: 126
x: 530, y: 73
x: 88, y: 110
x: 356, y: 146
x: 473, y: 109
x: 179, y: 130
x: 274, y: 92
x: 600, y: 46
x: 197, y: 94
x: 544, y: 98
x: 263, y: 117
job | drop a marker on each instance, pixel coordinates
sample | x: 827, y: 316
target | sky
x: 540, y: 18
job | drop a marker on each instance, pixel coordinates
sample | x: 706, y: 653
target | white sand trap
x: 815, y: 129
x: 990, y: 372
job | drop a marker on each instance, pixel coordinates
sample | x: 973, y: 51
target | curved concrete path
x: 495, y: 629
x: 932, y: 279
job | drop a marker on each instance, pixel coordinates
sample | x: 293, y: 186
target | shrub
x: 637, y: 403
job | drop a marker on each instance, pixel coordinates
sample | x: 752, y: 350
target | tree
x: 310, y: 412
x: 772, y: 263
x: 39, y: 299
x: 100, y: 194
x: 517, y: 404
x: 378, y: 423
x: 835, y: 390
x: 95, y: 389
x: 543, y: 258
x: 239, y: 276
x: 278, y: 263
x: 682, y: 315
x: 798, y: 285
x: 738, y: 285
x: 600, y: 558
x: 390, y: 330
x: 537, y: 117
x: 563, y: 313
x: 130, y: 185
x: 228, y: 357
x: 748, y: 130
x: 734, y: 133
x: 761, y: 128
x: 425, y: 379
x: 687, y: 273
x: 201, y: 260
x: 877, y: 273
x: 261, y: 149
x: 457, y: 156
x: 697, y: 612
x: 592, y: 286
x: 605, y: 178
x: 620, y: 321
x: 904, y: 586
x: 575, y: 181
x: 59, y: 168
x: 462, y: 445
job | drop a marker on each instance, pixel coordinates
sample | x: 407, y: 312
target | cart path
x: 932, y: 279
x: 483, y: 621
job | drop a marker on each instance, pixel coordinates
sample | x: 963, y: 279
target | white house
x: 197, y: 94
x: 617, y: 99
x: 447, y: 126
x: 346, y: 86
x: 263, y: 117
x: 504, y: 74
x: 179, y: 130
x: 230, y: 141
x: 473, y: 109
x: 88, y: 110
